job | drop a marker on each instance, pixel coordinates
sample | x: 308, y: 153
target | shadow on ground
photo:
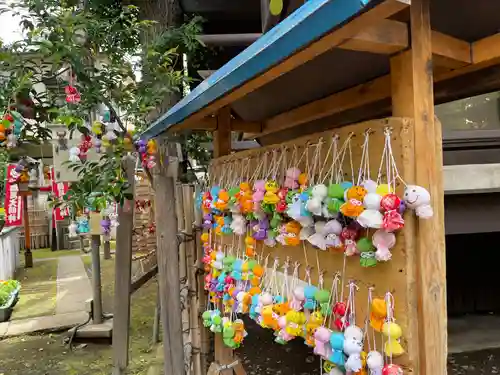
x: 261, y: 355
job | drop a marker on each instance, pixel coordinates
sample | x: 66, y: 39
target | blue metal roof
x: 308, y: 23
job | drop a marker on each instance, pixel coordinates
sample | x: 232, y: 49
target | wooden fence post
x: 194, y: 309
x: 168, y: 263
x: 202, y: 296
x: 123, y: 274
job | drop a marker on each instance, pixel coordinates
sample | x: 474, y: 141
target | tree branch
x: 112, y: 111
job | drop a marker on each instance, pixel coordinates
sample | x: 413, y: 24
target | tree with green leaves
x: 86, y: 66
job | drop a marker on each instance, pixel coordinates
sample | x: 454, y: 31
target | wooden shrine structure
x: 346, y: 66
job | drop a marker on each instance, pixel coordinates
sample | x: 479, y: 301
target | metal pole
x: 96, y: 279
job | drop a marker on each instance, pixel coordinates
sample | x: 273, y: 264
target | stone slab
x: 51, y: 323
x: 95, y: 331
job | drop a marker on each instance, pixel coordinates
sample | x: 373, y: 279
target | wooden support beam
x: 235, y: 146
x: 143, y: 279
x: 486, y: 50
x: 168, y: 263
x: 237, y: 125
x: 412, y: 96
x: 336, y: 103
x: 385, y: 37
x: 123, y: 266
x: 222, y: 136
x: 450, y: 52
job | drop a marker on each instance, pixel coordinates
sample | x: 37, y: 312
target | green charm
x: 333, y: 205
x: 367, y: 252
x: 336, y: 191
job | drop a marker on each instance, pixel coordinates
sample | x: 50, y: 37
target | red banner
x: 59, y: 189
x: 13, y: 200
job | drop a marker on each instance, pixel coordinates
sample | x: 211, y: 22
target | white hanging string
x: 389, y: 301
x: 334, y: 148
x: 257, y: 171
x: 277, y: 164
x: 270, y: 167
x: 333, y: 297
x: 367, y: 322
x: 295, y: 278
x: 344, y: 265
x: 315, y: 164
x: 321, y: 177
x: 339, y: 177
x: 266, y: 274
x: 351, y: 303
x: 364, y: 169
x: 284, y: 287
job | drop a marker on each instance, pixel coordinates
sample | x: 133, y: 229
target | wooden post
x: 168, y: 264
x: 222, y: 146
x: 179, y: 209
x: 96, y: 279
x: 194, y: 313
x: 202, y: 297
x: 222, y: 136
x: 123, y: 274
x: 412, y: 96
x: 28, y: 255
x: 107, y: 249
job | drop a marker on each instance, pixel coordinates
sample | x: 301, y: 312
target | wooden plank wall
x: 398, y: 275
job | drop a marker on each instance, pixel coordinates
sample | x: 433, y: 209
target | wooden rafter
x: 237, y: 125
x: 385, y: 37
x: 483, y: 53
x: 486, y: 50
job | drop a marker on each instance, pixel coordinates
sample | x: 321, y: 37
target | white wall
x: 9, y: 253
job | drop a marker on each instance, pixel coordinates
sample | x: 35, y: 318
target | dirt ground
x: 48, y: 355
x: 260, y: 356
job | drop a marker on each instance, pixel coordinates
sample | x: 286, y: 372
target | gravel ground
x: 261, y: 356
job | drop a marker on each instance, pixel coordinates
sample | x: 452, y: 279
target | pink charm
x: 393, y: 221
x: 390, y: 202
x: 392, y: 370
x: 292, y: 177
x: 383, y: 241
x: 297, y: 299
x: 321, y: 342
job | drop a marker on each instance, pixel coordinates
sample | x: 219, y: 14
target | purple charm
x: 207, y: 221
x: 106, y: 226
x: 402, y: 207
x: 261, y: 229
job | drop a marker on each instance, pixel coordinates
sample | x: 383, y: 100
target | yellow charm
x: 393, y: 333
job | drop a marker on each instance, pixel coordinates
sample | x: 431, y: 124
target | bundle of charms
x: 357, y: 217
x: 274, y: 202
x: 239, y: 285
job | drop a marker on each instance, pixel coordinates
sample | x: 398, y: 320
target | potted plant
x: 9, y: 295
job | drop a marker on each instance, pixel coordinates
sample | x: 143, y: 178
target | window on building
x: 480, y: 112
